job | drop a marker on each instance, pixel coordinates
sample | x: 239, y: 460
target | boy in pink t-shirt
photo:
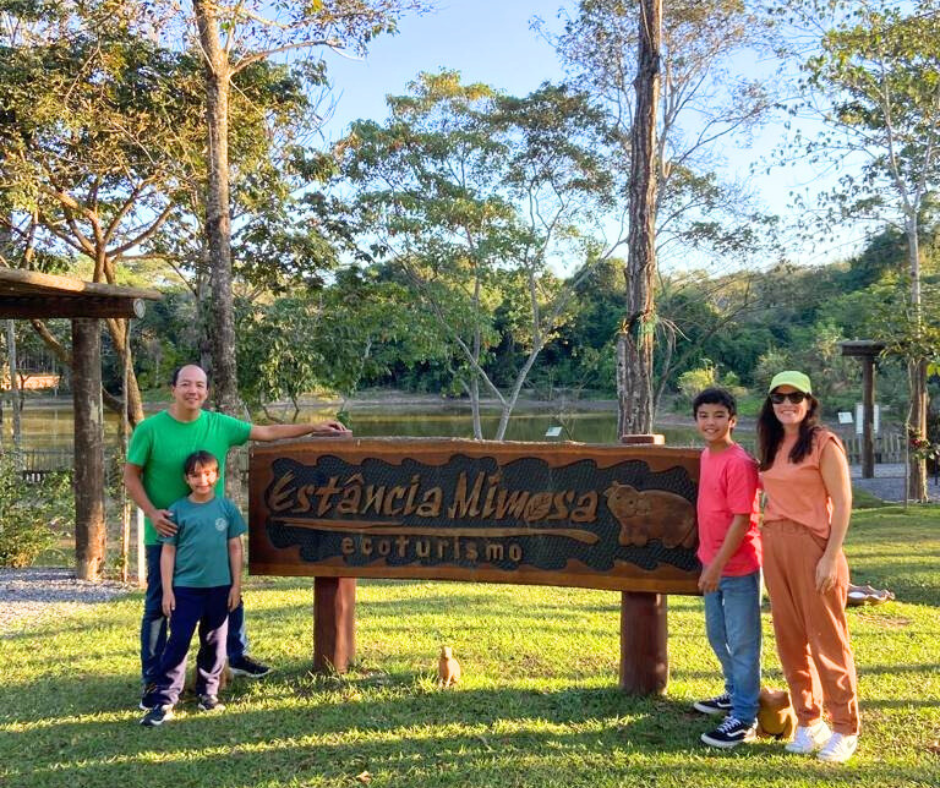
x: 730, y: 552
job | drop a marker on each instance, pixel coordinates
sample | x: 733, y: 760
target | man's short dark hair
x: 174, y: 378
x: 715, y: 396
x: 199, y: 459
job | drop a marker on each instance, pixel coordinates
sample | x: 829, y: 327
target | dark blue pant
x: 206, y: 608
x: 153, y: 624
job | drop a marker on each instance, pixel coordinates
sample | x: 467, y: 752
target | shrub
x: 29, y: 512
x: 694, y: 380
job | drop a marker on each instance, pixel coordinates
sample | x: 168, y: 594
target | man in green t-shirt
x: 154, y: 479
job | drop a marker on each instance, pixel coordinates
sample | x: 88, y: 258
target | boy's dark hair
x: 715, y: 396
x: 199, y: 459
x: 175, y: 377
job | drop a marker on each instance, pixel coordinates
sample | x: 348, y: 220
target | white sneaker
x: 839, y: 748
x: 808, y: 739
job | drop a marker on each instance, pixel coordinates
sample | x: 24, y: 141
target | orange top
x: 796, y: 491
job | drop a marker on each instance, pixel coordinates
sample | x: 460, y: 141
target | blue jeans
x: 732, y: 621
x: 153, y: 626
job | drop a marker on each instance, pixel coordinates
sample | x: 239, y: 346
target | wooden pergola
x: 31, y: 295
x: 867, y: 351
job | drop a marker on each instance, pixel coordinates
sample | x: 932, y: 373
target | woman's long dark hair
x: 770, y: 433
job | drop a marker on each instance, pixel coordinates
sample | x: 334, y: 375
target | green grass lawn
x: 538, y: 704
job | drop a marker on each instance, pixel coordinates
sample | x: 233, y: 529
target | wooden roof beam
x: 44, y: 307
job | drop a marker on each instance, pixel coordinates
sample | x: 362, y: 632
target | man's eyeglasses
x: 796, y: 397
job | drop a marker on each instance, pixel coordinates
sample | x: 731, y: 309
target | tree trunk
x: 203, y: 319
x: 89, y: 479
x: 917, y: 478
x: 218, y: 213
x: 475, y: 406
x: 15, y: 395
x: 509, y: 405
x: 132, y: 399
x: 221, y: 312
x: 635, y: 342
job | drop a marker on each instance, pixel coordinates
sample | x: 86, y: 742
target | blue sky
x: 491, y: 41
x: 486, y: 40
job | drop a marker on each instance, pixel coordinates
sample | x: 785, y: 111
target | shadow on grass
x: 326, y: 731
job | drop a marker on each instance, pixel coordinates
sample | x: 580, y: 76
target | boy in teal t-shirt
x: 200, y: 568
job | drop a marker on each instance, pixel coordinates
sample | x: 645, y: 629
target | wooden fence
x: 39, y: 463
x: 889, y: 448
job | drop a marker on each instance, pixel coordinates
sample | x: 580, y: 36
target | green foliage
x: 29, y: 513
x: 97, y: 126
x: 873, y: 81
x: 356, y: 329
x: 909, y: 331
x: 166, y: 337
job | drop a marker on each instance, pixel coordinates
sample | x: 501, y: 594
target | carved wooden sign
x: 615, y: 517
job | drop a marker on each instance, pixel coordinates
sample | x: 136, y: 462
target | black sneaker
x: 246, y: 666
x: 210, y: 703
x: 721, y: 704
x: 730, y: 733
x: 148, y: 697
x: 157, y: 716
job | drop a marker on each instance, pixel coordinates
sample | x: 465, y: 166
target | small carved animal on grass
x: 448, y: 668
x: 775, y: 717
x: 652, y: 514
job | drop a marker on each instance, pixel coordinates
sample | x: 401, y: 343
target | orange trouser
x: 810, y: 627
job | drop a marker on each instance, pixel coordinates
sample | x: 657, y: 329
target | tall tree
x: 635, y: 344
x: 232, y: 36
x: 283, y: 235
x: 702, y: 100
x: 474, y: 194
x: 872, y: 78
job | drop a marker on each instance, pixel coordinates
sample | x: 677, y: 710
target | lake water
x: 51, y: 427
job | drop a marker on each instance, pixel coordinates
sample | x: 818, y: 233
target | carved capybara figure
x: 652, y: 515
x: 775, y: 718
x: 448, y: 668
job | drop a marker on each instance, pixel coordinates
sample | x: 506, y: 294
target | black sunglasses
x: 796, y: 397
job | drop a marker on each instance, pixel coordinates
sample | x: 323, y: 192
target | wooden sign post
x: 610, y: 517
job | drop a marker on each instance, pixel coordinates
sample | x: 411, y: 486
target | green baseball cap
x: 791, y: 377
